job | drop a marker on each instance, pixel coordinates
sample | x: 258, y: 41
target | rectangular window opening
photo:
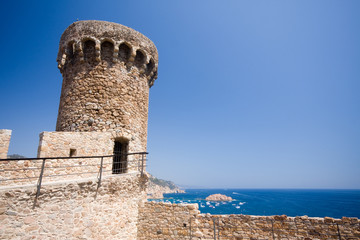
x: 120, y: 157
x: 72, y: 152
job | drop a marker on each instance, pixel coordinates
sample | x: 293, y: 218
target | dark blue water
x: 313, y: 203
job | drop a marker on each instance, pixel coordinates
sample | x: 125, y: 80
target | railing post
x: 272, y: 227
x: 138, y: 165
x: 218, y: 228
x: 297, y: 231
x: 190, y: 229
x: 39, y: 182
x: 142, y: 164
x: 214, y: 228
x: 338, y: 229
x: 100, y: 172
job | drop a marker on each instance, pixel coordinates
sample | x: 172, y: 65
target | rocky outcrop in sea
x: 218, y: 197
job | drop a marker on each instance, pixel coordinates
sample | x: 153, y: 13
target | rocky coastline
x: 158, y: 187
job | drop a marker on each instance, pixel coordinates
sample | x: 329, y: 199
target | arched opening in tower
x: 150, y: 66
x: 124, y: 52
x: 139, y: 59
x: 89, y: 50
x: 120, y: 156
x: 107, y: 50
x: 70, y: 52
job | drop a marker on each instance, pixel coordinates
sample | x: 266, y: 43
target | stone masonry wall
x: 165, y: 220
x: 107, y: 70
x: 105, y: 99
x: 5, y: 136
x: 60, y: 144
x: 178, y: 221
x: 73, y: 210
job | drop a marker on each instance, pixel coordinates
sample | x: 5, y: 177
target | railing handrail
x: 42, y: 158
x: 117, y: 167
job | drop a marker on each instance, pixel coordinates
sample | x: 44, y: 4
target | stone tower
x: 107, y: 71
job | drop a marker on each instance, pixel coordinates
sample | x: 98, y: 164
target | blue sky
x: 250, y: 94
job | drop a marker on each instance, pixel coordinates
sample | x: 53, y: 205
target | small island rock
x: 218, y: 197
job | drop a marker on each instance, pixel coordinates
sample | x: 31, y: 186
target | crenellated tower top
x: 128, y: 45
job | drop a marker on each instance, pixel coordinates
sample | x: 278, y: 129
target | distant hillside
x: 15, y: 156
x: 162, y: 183
x: 157, y: 187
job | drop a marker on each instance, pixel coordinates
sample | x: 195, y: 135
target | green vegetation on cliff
x: 15, y: 156
x: 162, y: 183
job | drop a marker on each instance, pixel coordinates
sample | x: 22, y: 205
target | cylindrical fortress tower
x: 107, y: 71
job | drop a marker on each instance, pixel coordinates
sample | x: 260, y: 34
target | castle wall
x: 165, y: 221
x: 63, y: 144
x: 73, y: 210
x: 5, y: 136
x: 172, y: 221
x: 58, y: 144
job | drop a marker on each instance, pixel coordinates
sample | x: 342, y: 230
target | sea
x: 265, y: 202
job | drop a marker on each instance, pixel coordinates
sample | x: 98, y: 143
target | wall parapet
x: 174, y: 221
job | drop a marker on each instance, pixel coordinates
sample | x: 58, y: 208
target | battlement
x: 95, y: 41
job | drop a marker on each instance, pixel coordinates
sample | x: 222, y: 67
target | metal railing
x: 27, y: 170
